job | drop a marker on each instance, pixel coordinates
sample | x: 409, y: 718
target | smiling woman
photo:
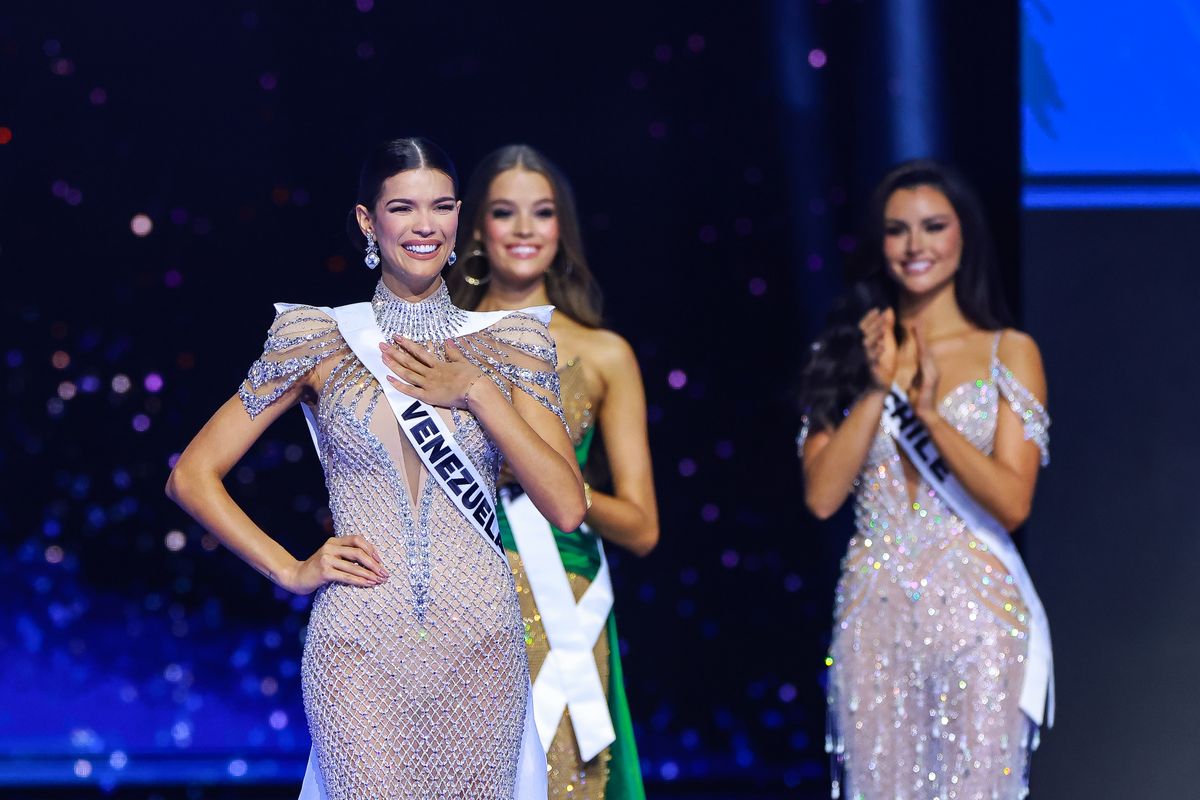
x: 526, y: 249
x: 415, y: 678
x: 920, y: 403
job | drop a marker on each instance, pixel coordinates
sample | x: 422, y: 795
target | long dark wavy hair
x: 569, y: 282
x: 386, y: 159
x: 837, y: 372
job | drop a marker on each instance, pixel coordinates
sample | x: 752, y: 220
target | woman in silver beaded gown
x: 939, y: 662
x: 415, y: 678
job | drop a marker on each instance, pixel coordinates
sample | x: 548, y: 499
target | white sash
x: 569, y: 677
x: 901, y: 423
x: 455, y: 473
x: 424, y: 427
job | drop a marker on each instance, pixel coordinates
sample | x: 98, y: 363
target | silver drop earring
x: 453, y: 258
x: 371, y: 259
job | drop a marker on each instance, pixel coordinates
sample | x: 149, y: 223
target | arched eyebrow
x: 406, y: 201
x: 506, y: 202
x: 924, y: 220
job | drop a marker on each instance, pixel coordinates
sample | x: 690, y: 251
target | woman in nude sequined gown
x: 931, y: 637
x: 525, y: 249
x: 414, y: 674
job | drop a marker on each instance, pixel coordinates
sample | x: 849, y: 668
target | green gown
x: 615, y: 773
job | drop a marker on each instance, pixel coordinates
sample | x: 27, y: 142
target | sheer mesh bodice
x: 416, y: 687
x: 929, y: 639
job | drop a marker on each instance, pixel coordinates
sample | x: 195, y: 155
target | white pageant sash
x: 569, y: 677
x: 901, y: 423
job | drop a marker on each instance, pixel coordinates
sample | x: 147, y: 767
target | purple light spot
x: 62, y: 67
x: 13, y: 358
x: 677, y: 379
x: 179, y: 216
x: 364, y: 5
x: 687, y: 467
x: 172, y: 278
x: 695, y: 42
x: 60, y: 188
x: 792, y: 583
x: 815, y: 263
x: 787, y: 693
x: 708, y: 234
x: 141, y: 423
x: 847, y: 243
x: 724, y: 449
x: 51, y: 47
x: 300, y: 197
x: 153, y: 382
x: 365, y: 50
x: 663, y: 53
x: 99, y: 96
x: 710, y: 512
x: 743, y: 226
x: 89, y: 384
x: 267, y: 81
x: 669, y: 771
x: 689, y: 576
x: 816, y: 58
x: 74, y: 197
x: 172, y: 460
x: 638, y: 80
x: 658, y: 130
x: 729, y: 559
x: 654, y: 414
x: 758, y: 287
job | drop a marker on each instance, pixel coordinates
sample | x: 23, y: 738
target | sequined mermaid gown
x: 417, y: 687
x: 929, y: 641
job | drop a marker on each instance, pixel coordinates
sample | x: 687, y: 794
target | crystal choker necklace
x: 433, y: 319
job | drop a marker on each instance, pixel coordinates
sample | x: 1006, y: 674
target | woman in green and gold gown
x: 524, y: 249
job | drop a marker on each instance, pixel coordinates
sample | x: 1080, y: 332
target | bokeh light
x: 141, y: 225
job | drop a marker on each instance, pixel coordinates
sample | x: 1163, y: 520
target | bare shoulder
x: 1019, y: 353
x: 608, y: 351
x: 1019, y: 348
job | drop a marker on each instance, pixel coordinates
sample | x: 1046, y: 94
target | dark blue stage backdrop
x: 1110, y: 286
x: 167, y: 171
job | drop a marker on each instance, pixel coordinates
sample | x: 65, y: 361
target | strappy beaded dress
x: 930, y: 631
x: 417, y: 687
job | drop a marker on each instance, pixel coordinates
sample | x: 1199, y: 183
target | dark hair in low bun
x: 387, y: 159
